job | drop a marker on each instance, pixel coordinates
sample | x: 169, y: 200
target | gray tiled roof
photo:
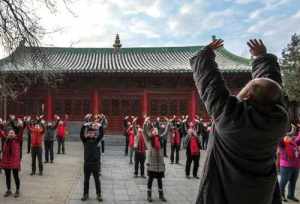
x: 151, y: 59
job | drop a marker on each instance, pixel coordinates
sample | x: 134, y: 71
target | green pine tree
x: 291, y: 68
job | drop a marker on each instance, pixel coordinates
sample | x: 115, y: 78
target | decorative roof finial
x: 117, y: 45
x: 214, y: 38
x: 22, y: 42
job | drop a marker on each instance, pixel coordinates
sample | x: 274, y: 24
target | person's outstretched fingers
x: 256, y: 42
x: 250, y: 45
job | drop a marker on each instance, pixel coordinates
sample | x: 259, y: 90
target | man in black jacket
x: 91, y: 134
x: 240, y: 165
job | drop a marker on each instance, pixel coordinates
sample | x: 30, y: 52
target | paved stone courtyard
x: 54, y: 186
x: 119, y: 186
x: 62, y: 182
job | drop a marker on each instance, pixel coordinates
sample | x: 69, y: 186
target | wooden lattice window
x: 77, y: 107
x: 136, y: 107
x: 106, y: 108
x: 59, y: 107
x: 86, y: 106
x: 125, y: 107
x: 154, y: 107
x: 164, y: 110
x: 27, y: 107
x: 173, y: 107
x: 183, y: 107
x: 115, y: 107
x: 68, y: 107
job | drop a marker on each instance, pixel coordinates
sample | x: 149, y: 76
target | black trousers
x: 102, y: 145
x: 49, y: 150
x: 159, y: 183
x: 61, y: 145
x: 175, y: 149
x: 189, y: 160
x: 1, y: 150
x: 37, y: 153
x: 99, y: 150
x: 164, y: 144
x: 8, y: 178
x: 204, y: 142
x: 88, y: 170
x: 126, y: 145
x: 28, y: 143
x: 139, y: 161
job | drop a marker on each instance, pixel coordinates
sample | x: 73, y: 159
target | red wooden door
x: 76, y: 104
x: 116, y: 107
x: 168, y: 105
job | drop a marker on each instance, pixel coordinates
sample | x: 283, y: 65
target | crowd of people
x: 243, y: 133
x: 38, y: 131
x: 147, y: 141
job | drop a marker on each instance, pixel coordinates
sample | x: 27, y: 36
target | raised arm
x: 209, y: 80
x: 100, y: 134
x: 135, y: 128
x: 264, y: 65
x: 104, y: 122
x: 166, y: 130
x: 82, y: 133
x: 147, y: 129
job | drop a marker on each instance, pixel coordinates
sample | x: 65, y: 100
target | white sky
x: 171, y: 23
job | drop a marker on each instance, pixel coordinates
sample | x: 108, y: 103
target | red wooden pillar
x: 145, y: 103
x: 95, y: 101
x: 99, y: 102
x: 193, y: 109
x: 49, y: 105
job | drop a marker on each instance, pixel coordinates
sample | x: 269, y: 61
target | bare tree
x: 20, y: 28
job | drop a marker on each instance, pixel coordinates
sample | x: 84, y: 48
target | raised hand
x: 257, y: 47
x: 216, y: 44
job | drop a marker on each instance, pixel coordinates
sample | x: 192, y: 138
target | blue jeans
x: 288, y: 175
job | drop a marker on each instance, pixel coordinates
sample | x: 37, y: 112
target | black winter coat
x: 240, y: 164
x: 91, y: 149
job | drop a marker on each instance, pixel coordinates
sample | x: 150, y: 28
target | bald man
x: 240, y: 165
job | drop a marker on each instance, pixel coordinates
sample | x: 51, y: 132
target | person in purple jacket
x: 289, y: 163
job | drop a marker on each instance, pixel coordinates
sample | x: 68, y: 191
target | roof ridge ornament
x: 117, y: 45
x: 214, y: 37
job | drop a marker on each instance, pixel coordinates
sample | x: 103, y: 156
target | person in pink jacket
x: 289, y: 164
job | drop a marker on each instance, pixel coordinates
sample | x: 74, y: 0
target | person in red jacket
x: 192, y: 146
x: 61, y: 133
x: 18, y: 126
x: 2, y: 132
x: 11, y: 161
x: 175, y: 144
x: 37, y: 132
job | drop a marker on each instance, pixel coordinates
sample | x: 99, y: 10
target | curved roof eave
x: 127, y: 60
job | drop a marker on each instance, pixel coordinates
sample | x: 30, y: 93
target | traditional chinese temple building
x: 118, y: 81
